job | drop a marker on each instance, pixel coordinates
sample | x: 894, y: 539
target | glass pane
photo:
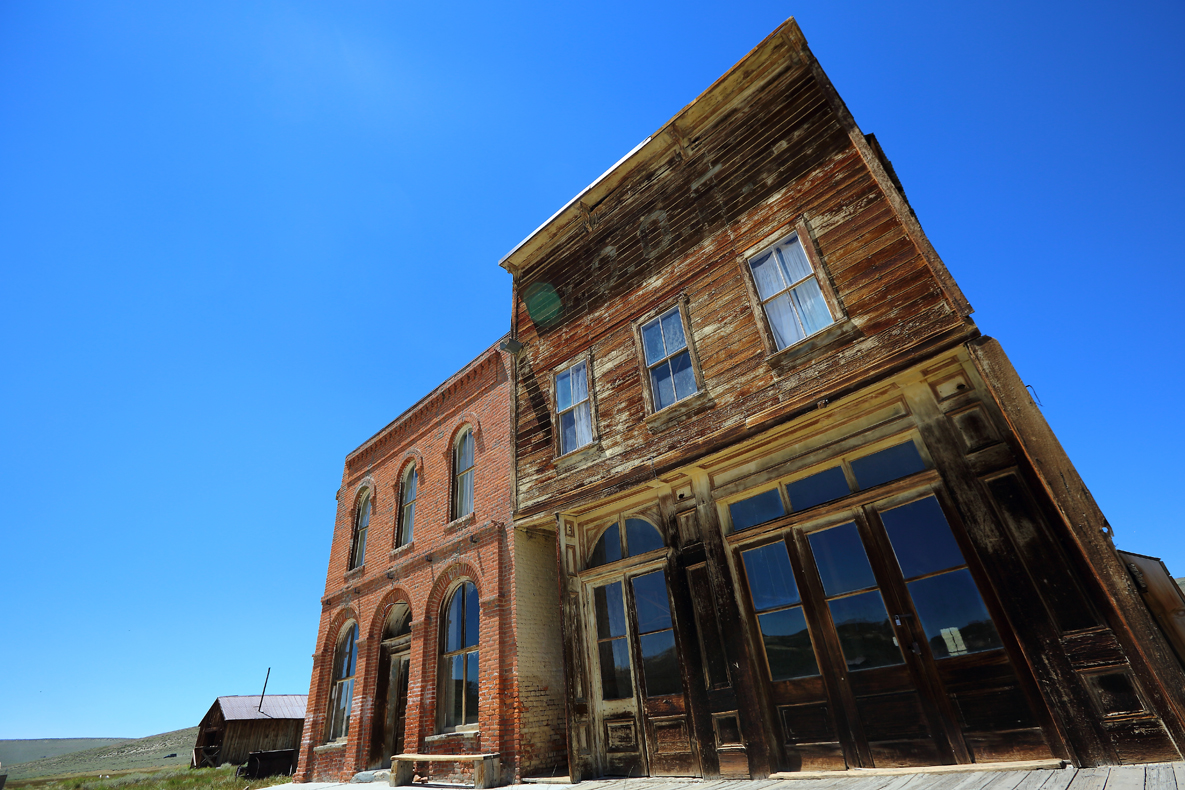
x: 889, y: 464
x: 455, y: 690
x: 651, y: 602
x: 454, y: 622
x: 771, y: 582
x: 583, y: 425
x: 788, y: 644
x: 608, y: 548
x: 652, y: 341
x: 664, y: 387
x: 568, y: 432
x: 795, y: 265
x: 351, y: 654
x: 684, y: 375
x: 865, y: 635
x: 345, y: 702
x: 756, y: 509
x: 359, y: 548
x: 472, y: 616
x: 471, y: 688
x: 766, y: 275
x: 610, y: 608
x: 465, y: 451
x: 660, y: 665
x: 921, y: 538
x: 825, y: 486
x: 812, y: 307
x: 364, y: 515
x: 409, y: 522
x: 563, y: 391
x: 579, y: 383
x: 465, y: 494
x: 672, y: 331
x: 783, y: 322
x: 839, y: 556
x: 641, y: 536
x: 410, y: 484
x: 953, y: 615
x: 617, y: 681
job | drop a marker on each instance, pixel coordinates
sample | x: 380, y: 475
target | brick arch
x: 343, y: 616
x: 459, y: 569
x: 365, y: 484
x: 411, y: 456
x: 393, y: 596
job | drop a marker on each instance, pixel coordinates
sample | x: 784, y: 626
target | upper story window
x: 668, y: 359
x: 361, y: 524
x: 573, y: 407
x: 407, y: 513
x: 463, y: 467
x: 459, y: 664
x: 341, y: 694
x: 788, y: 287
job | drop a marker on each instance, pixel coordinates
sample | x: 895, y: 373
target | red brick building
x: 439, y: 624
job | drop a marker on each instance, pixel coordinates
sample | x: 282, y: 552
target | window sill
x: 356, y: 573
x: 578, y: 456
x: 813, y: 347
x: 677, y: 412
x: 340, y: 743
x: 460, y: 523
x: 464, y: 731
x: 398, y: 551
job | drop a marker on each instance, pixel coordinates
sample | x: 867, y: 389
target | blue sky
x: 238, y: 238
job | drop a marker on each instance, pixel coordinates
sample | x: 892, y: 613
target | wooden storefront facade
x: 806, y: 515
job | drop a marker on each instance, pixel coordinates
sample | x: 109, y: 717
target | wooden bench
x: 486, y: 767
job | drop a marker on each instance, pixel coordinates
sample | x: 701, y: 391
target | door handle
x: 897, y: 618
x: 917, y: 650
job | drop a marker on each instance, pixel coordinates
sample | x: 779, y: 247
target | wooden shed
x: 235, y: 726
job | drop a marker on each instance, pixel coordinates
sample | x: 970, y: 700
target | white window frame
x: 589, y: 402
x: 646, y: 367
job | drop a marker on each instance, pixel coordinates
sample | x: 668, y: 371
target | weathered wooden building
x: 235, y: 726
x: 806, y: 514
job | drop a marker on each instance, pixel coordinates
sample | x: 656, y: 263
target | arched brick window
x: 407, y: 512
x: 361, y: 524
x: 463, y: 470
x: 341, y: 693
x: 459, y: 659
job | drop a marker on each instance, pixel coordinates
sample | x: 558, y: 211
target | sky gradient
x: 239, y: 238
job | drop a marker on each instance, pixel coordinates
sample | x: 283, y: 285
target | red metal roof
x: 275, y: 706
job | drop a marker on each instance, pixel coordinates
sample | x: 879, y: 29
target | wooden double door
x: 641, y: 706
x: 390, y: 708
x: 879, y: 645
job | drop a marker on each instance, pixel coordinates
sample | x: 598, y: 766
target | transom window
x: 668, y: 359
x: 789, y: 292
x: 407, y: 515
x: 361, y: 524
x: 573, y: 408
x: 836, y: 482
x: 638, y: 537
x: 459, y: 658
x: 463, y: 465
x: 341, y: 695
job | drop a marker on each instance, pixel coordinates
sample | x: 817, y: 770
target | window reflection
x: 865, y: 634
x: 660, y: 667
x: 839, y: 555
x: 921, y: 538
x: 953, y: 614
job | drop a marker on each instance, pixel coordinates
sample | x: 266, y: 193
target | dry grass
x: 165, y: 779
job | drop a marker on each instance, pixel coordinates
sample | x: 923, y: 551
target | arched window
x: 341, y: 695
x: 458, y: 659
x: 639, y: 537
x: 463, y: 464
x: 407, y: 516
x: 361, y: 522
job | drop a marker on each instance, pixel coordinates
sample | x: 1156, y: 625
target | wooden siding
x: 681, y: 228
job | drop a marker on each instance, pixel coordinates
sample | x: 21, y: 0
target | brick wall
x: 444, y: 552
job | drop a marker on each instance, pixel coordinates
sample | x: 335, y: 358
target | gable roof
x: 275, y: 706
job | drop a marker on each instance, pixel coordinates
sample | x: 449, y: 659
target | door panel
x: 624, y: 752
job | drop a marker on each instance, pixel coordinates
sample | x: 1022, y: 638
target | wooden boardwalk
x: 1159, y: 776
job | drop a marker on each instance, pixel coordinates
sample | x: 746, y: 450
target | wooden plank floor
x: 1160, y: 776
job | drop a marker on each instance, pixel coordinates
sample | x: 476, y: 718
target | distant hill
x: 111, y: 755
x: 23, y: 750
